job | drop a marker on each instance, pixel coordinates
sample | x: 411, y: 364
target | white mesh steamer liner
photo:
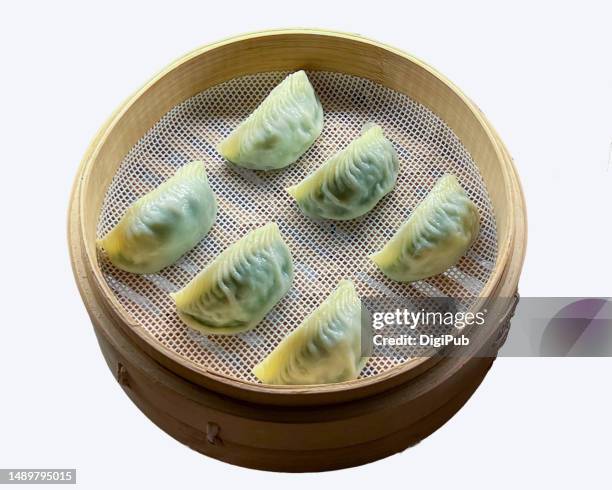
x: 323, y: 252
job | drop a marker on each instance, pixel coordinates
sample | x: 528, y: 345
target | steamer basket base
x: 133, y: 369
x: 281, y: 438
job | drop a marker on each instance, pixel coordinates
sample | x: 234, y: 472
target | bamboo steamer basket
x: 297, y: 428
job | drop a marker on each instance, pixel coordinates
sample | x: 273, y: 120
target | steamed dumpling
x: 280, y: 130
x: 236, y: 291
x: 351, y: 182
x: 435, y: 237
x: 164, y: 224
x: 325, y: 348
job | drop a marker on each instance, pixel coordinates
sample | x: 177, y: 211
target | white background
x: 541, y: 72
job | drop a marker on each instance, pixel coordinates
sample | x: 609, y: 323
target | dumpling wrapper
x: 437, y: 234
x: 164, y: 224
x: 237, y: 289
x: 351, y: 182
x: 280, y: 130
x: 325, y: 348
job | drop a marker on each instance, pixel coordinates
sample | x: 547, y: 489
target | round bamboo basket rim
x: 200, y: 374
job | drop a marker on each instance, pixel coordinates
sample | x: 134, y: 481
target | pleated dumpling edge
x: 279, y: 130
x: 437, y: 234
x: 239, y: 287
x: 325, y: 348
x: 352, y: 181
x: 164, y: 224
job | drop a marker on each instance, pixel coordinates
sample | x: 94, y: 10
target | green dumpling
x: 325, y: 348
x: 437, y: 234
x: 280, y: 130
x: 351, y: 182
x: 236, y: 291
x: 164, y: 224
